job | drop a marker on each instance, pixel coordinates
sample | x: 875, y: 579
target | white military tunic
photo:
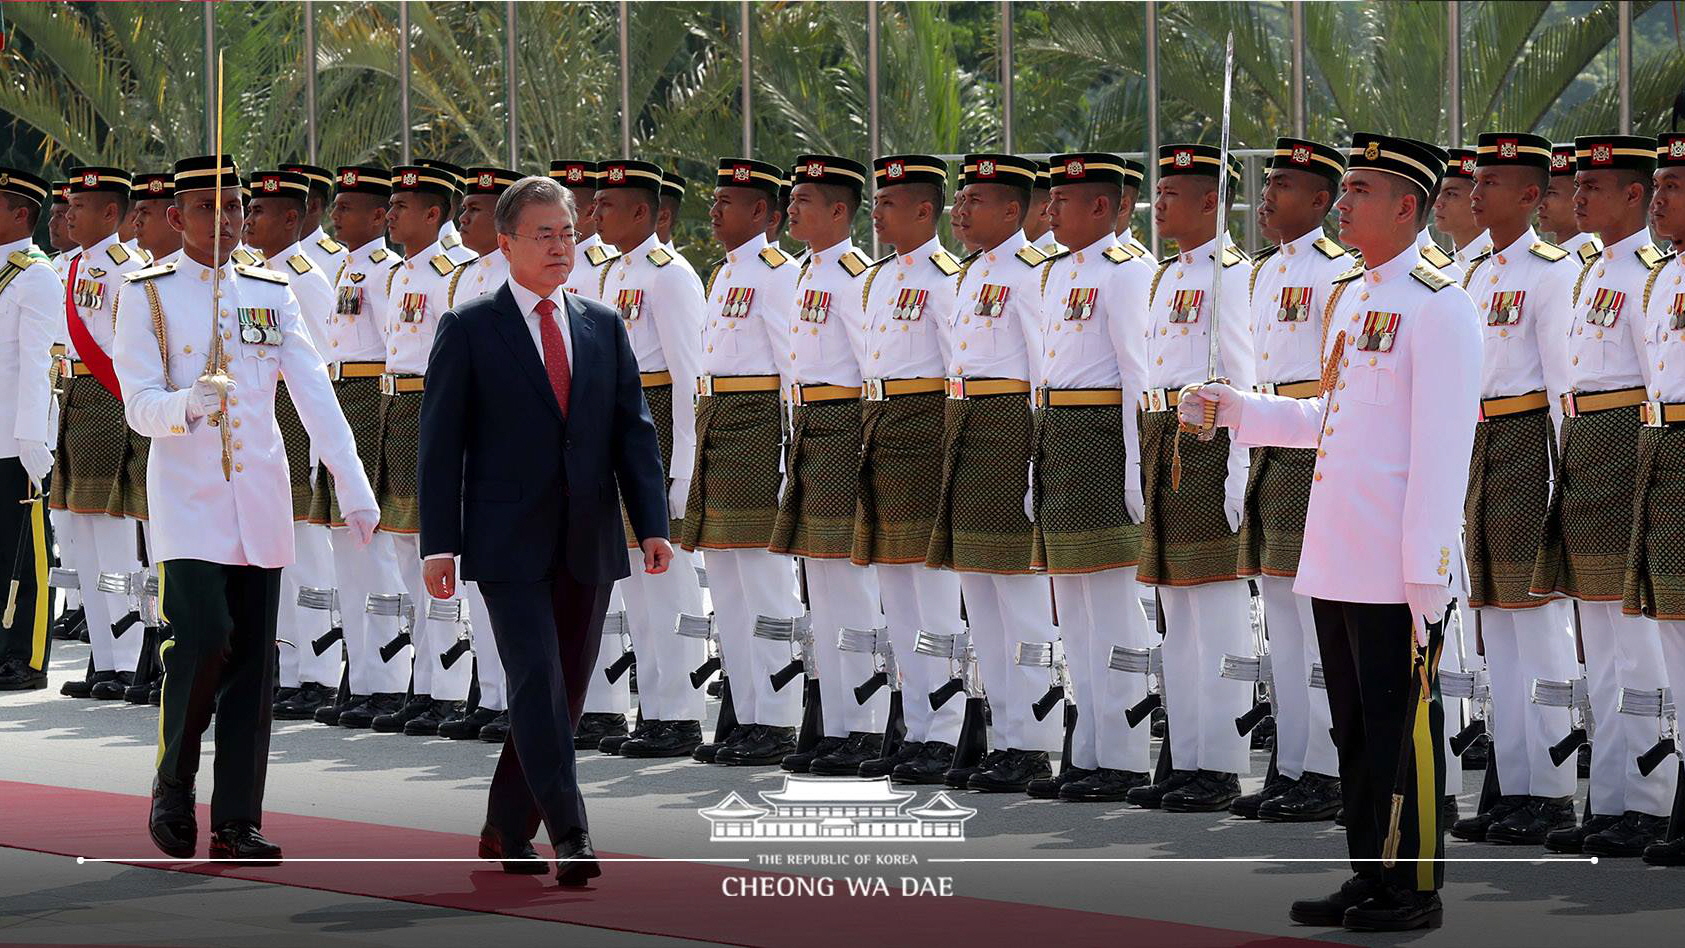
x: 757, y: 283
x: 326, y: 251
x: 907, y: 301
x: 356, y: 330
x: 31, y: 317
x: 590, y: 257
x: 827, y: 333
x: 662, y: 307
x: 479, y: 277
x: 1288, y: 293
x: 417, y: 296
x: 99, y: 277
x: 1606, y: 334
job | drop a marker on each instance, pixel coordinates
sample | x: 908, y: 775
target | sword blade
x: 1222, y: 212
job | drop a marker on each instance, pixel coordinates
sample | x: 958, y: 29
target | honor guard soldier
x: 1589, y: 526
x: 274, y: 224
x: 1038, y: 226
x: 1556, y: 212
x: 64, y: 246
x: 1446, y: 264
x: 327, y: 252
x: 450, y: 238
x: 1583, y: 552
x: 95, y: 483
x: 1291, y: 282
x: 1524, y: 291
x: 821, y: 486
x: 983, y: 531
x: 672, y: 199
x: 1085, y: 472
x: 417, y: 296
x: 1189, y: 544
x: 1134, y: 173
x: 29, y: 321
x: 734, y: 486
x: 780, y: 216
x: 1391, y: 429
x: 1654, y: 587
x: 1451, y: 211
x: 64, y: 251
x: 151, y: 197
x: 356, y: 358
x: 218, y: 483
x: 908, y: 296
x: 591, y: 255
x: 662, y: 307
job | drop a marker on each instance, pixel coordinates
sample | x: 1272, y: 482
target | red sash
x: 87, y: 350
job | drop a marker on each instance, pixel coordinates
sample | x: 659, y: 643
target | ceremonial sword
x: 217, y: 373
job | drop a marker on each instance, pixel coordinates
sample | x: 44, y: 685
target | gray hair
x: 533, y: 189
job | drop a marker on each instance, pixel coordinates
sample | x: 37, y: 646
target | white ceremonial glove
x: 1428, y: 603
x: 677, y: 495
x: 1135, y: 504
x: 1191, y: 410
x: 36, y: 459
x: 205, y: 400
x: 1030, y: 496
x: 361, y: 523
x: 1232, y: 508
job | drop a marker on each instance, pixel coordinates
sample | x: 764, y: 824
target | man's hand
x: 361, y: 523
x: 1191, y: 410
x: 1427, y: 603
x: 207, y: 399
x: 36, y: 459
x: 439, y: 576
x: 677, y: 494
x: 658, y: 555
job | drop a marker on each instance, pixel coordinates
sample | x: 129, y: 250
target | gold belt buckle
x: 67, y: 367
x: 1156, y: 400
x: 956, y: 387
x: 704, y: 385
x: 1652, y: 412
x: 388, y: 384
x: 1570, y: 405
x: 796, y: 393
x: 873, y: 390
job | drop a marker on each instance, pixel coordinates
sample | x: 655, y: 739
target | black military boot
x: 933, y: 763
x: 1151, y: 796
x: 1246, y: 806
x: 611, y: 743
x: 1208, y: 792
x: 70, y: 625
x: 1670, y: 853
x: 18, y: 676
x: 426, y: 724
x: 799, y: 762
x: 1474, y: 828
x: 1330, y: 910
x: 1013, y: 773
x: 1395, y: 910
x: 596, y: 725
x: 1628, y: 837
x: 392, y: 722
x: 708, y: 750
x: 960, y: 777
x: 1105, y: 785
x: 763, y: 746
x: 884, y: 766
x: 668, y: 739
x: 84, y: 687
x: 1047, y: 788
x: 329, y: 712
x: 1313, y: 798
x: 304, y: 703
x: 1529, y: 824
x: 379, y: 704
x: 1571, y: 839
x: 496, y: 730
x: 845, y: 761
x: 111, y: 689
x: 466, y: 726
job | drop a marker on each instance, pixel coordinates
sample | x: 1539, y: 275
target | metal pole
x: 310, y: 80
x: 1453, y: 75
x: 1150, y: 159
x: 404, y: 76
x: 1298, y: 10
x: 1249, y: 165
x: 872, y: 92
x: 747, y: 105
x: 210, y: 75
x: 1006, y: 69
x: 1623, y: 37
x: 510, y: 30
x: 625, y: 83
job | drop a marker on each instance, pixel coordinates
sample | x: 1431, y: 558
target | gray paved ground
x: 650, y: 809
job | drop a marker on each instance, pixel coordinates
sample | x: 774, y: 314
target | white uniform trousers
x: 63, y: 533
x: 1202, y: 624
x: 1096, y: 612
x: 665, y: 658
x: 916, y: 597
x: 312, y: 567
x: 1458, y: 654
x: 361, y: 572
x: 841, y: 596
x: 431, y: 636
x: 743, y: 584
x: 1622, y: 652
x: 105, y: 544
x: 488, y: 667
x: 1303, y: 740
x: 1523, y: 645
x: 601, y: 695
x: 1002, y: 612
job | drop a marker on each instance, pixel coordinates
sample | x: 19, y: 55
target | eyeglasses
x: 565, y: 237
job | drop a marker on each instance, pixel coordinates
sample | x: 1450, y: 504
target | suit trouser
x: 1096, y: 612
x: 26, y: 541
x: 916, y: 597
x: 1367, y: 660
x: 106, y: 544
x: 601, y: 695
x: 1522, y: 646
x: 665, y: 658
x: 362, y: 571
x: 488, y: 664
x: 1623, y: 652
x: 841, y: 595
x: 549, y: 633
x: 1202, y: 624
x: 432, y: 637
x: 744, y: 584
x: 220, y: 656
x: 1302, y: 738
x: 312, y: 567
x: 1002, y: 612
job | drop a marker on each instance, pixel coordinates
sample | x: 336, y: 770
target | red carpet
x: 686, y: 896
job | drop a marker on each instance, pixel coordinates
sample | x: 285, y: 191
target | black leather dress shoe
x: 960, y: 777
x: 282, y: 694
x: 18, y: 676
x: 1246, y: 805
x: 426, y: 724
x: 611, y: 743
x: 392, y: 722
x: 1330, y: 910
x: 765, y: 746
x: 241, y: 840
x: 669, y: 739
x: 1395, y: 910
x: 111, y: 689
x: 1151, y: 796
x: 519, y: 858
x: 596, y: 725
x: 84, y: 687
x: 1047, y: 788
x: 1448, y: 812
x: 929, y: 762
x: 799, y: 761
x: 707, y: 751
x: 845, y: 761
x: 576, y: 860
x: 1209, y: 792
x: 1106, y: 785
x: 466, y: 726
x: 1530, y: 823
x: 1474, y: 828
x: 138, y: 692
x: 1571, y: 839
x: 1670, y: 853
x: 496, y: 730
x: 1628, y: 838
x: 173, y: 823
x: 69, y: 625
x: 1014, y: 772
x: 379, y: 705
x: 1313, y: 798
x: 329, y: 712
x: 303, y: 703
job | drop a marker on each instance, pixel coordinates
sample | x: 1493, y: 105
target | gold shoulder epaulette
x: 659, y: 256
x: 1430, y: 278
x: 1031, y: 255
x: 1589, y: 250
x: 380, y: 254
x: 1329, y: 248
x: 441, y: 264
x: 1650, y: 256
x: 1115, y: 255
x: 1349, y: 275
x: 330, y: 245
x: 945, y: 262
x: 1232, y: 256
x: 1439, y: 258
x: 772, y: 257
x: 245, y: 258
x: 855, y: 262
x: 1169, y: 259
x: 156, y: 271
x: 118, y: 253
x: 1546, y: 250
x: 450, y: 241
x: 299, y: 263
x: 261, y: 274
x: 597, y: 255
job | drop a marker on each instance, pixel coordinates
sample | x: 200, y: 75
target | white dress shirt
x: 312, y: 287
x: 98, y: 278
x: 665, y: 328
x: 527, y: 301
x: 31, y: 317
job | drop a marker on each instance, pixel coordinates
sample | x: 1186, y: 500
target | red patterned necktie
x: 555, y: 353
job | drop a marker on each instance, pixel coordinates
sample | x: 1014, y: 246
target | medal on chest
x: 735, y: 304
x: 1184, y: 305
x: 1676, y: 313
x: 816, y: 306
x: 412, y: 307
x: 1605, y: 307
x: 90, y: 294
x: 350, y: 299
x: 1506, y: 308
x: 259, y: 326
x: 991, y: 300
x: 909, y: 304
x: 631, y: 304
x: 1295, y: 304
x: 1379, y: 330
x: 1079, y: 302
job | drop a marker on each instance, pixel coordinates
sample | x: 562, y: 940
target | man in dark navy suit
x: 533, y: 413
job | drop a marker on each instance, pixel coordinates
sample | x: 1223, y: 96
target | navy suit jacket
x: 504, y: 478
